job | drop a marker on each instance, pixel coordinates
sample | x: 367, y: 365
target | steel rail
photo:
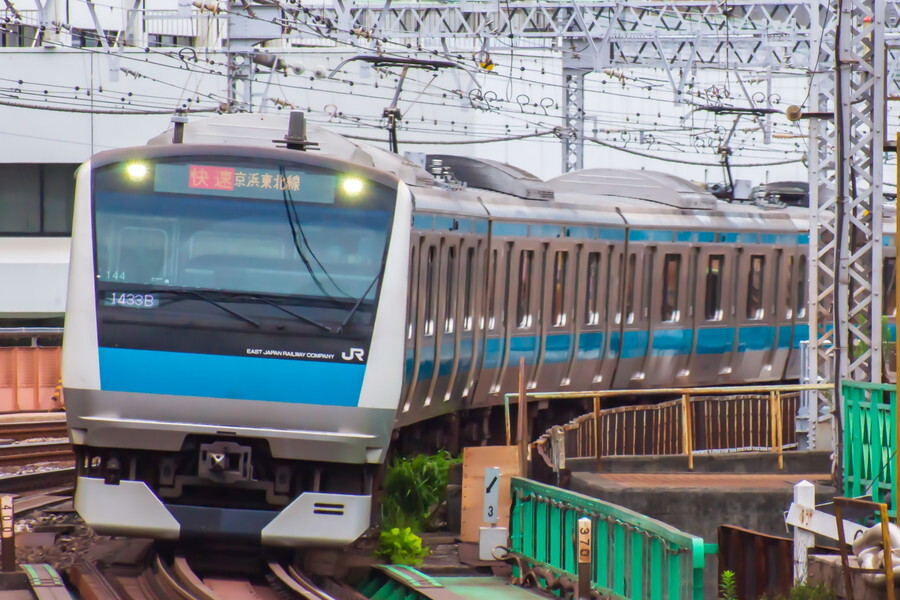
x: 14, y: 454
x: 191, y: 581
x: 23, y: 430
x: 29, y: 482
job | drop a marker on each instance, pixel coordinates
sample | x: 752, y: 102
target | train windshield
x: 234, y: 225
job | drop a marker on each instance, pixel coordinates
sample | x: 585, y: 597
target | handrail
x: 634, y: 558
x: 674, y: 422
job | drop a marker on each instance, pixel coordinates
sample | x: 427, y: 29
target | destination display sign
x: 245, y: 182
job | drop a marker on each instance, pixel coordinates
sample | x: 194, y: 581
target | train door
x: 714, y: 332
x: 494, y: 328
x: 557, y: 340
x: 782, y: 314
x: 589, y: 318
x: 411, y: 363
x: 799, y: 320
x: 447, y: 327
x: 468, y: 336
x: 889, y: 308
x: 630, y: 342
x: 613, y: 283
x: 425, y: 330
x: 525, y: 266
x: 670, y: 333
x: 755, y: 322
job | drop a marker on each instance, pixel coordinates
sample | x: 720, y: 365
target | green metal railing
x: 870, y: 439
x: 634, y: 557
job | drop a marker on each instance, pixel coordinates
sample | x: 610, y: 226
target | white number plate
x: 130, y: 300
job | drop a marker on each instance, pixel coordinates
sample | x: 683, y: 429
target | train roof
x: 650, y: 186
x: 503, y: 190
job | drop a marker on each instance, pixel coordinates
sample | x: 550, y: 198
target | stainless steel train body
x: 597, y: 279
x: 231, y: 321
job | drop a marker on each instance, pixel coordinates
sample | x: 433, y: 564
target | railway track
x: 162, y: 579
x: 32, y: 452
x: 25, y: 430
x: 39, y: 480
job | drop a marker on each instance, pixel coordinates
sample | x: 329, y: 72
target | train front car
x: 229, y: 371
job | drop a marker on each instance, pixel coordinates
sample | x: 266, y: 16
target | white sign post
x: 491, y: 495
x: 490, y: 538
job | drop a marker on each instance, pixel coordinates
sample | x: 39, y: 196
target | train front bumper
x: 312, y: 519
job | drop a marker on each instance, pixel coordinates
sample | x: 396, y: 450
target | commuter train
x: 247, y: 324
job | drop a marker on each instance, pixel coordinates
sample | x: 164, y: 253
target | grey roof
x: 651, y: 186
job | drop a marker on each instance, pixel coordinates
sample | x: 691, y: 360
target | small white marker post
x: 584, y: 551
x: 805, y: 499
x: 491, y: 537
x: 7, y: 534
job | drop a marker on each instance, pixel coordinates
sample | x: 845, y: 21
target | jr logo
x: 354, y: 354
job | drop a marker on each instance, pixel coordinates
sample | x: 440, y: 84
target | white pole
x: 805, y: 498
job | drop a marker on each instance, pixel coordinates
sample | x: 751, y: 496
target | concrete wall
x: 33, y: 275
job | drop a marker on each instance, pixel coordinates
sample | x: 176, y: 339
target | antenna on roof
x: 296, y: 136
x: 179, y: 121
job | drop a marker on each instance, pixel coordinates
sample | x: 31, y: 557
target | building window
x: 155, y: 40
x: 755, y: 287
x: 89, y: 38
x: 671, y: 273
x: 36, y: 199
x: 714, y: 280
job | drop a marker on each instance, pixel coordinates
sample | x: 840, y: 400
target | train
x: 255, y: 308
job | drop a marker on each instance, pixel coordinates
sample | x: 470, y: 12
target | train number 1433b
x: 130, y: 300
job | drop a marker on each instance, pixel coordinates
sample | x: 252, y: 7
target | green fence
x: 634, y: 557
x: 869, y: 423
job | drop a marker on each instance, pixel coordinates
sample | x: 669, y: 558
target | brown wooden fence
x: 28, y: 378
x: 699, y: 421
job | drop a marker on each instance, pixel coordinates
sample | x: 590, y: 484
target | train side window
x: 648, y: 283
x: 450, y: 299
x: 629, y: 288
x: 801, y: 287
x: 492, y: 283
x: 429, y: 291
x: 671, y: 274
x: 410, y: 296
x: 789, y: 298
x: 714, y: 280
x: 523, y: 304
x: 591, y: 312
x: 558, y: 310
x: 755, y: 280
x: 889, y: 276
x: 467, y: 299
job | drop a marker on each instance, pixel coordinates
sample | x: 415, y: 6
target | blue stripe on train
x: 666, y: 342
x: 237, y: 377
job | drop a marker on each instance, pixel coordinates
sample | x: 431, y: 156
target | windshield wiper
x: 211, y: 301
x: 321, y: 326
x: 359, y: 302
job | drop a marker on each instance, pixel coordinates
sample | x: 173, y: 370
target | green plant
x: 414, y: 489
x: 728, y: 586
x: 401, y: 547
